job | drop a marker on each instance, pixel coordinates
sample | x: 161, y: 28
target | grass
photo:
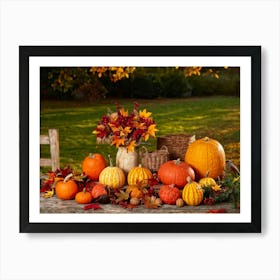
x: 215, y: 117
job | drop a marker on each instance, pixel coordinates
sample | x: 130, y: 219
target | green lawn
x: 215, y: 117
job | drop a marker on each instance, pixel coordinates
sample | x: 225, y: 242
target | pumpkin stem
x: 206, y: 139
x: 110, y: 160
x: 68, y: 177
x: 84, y: 190
x: 207, y: 174
x: 189, y: 180
x: 177, y: 161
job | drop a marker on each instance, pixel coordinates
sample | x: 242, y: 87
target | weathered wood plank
x: 55, y: 205
x: 54, y: 148
x: 53, y: 140
x: 44, y: 140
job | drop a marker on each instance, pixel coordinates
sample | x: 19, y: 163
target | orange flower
x: 152, y: 130
x: 117, y: 141
x: 145, y: 114
x: 131, y: 146
x: 124, y: 131
x: 123, y: 112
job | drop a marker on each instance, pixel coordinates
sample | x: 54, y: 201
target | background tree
x: 93, y: 83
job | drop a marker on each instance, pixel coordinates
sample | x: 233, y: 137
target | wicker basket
x: 153, y: 160
x: 177, y: 144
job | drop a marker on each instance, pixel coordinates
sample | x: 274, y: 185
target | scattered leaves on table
x: 152, y: 202
x: 121, y: 196
x: 94, y: 206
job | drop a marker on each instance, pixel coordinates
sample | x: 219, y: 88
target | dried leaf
x: 49, y: 194
x: 216, y: 211
x: 152, y: 202
x: 122, y: 196
x: 93, y: 206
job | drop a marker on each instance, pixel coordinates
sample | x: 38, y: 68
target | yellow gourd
x: 112, y: 176
x: 139, y: 176
x: 192, y: 193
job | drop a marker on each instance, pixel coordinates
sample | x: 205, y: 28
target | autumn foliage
x: 124, y: 129
x: 95, y: 82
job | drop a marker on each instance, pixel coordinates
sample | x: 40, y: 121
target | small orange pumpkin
x: 169, y: 194
x: 134, y: 191
x: 206, y: 155
x: 83, y: 197
x: 92, y: 166
x: 66, y: 189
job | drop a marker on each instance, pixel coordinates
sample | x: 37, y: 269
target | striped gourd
x: 192, y: 193
x: 139, y: 176
x: 112, y: 176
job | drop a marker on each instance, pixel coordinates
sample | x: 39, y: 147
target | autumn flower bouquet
x: 124, y: 129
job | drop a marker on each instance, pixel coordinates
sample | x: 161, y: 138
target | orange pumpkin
x: 92, y: 166
x: 134, y: 191
x: 206, y: 156
x: 83, y: 197
x: 66, y: 189
x: 175, y: 172
x: 169, y: 194
x: 98, y: 190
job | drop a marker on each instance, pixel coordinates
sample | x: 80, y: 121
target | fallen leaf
x: 216, y: 211
x: 122, y: 196
x: 93, y: 206
x: 49, y: 194
x: 152, y: 202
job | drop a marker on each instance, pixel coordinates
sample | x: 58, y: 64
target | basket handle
x: 164, y: 148
x: 141, y: 152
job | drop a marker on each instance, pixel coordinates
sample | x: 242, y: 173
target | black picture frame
x: 254, y: 52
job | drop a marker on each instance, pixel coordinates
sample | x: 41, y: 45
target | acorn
x: 180, y: 202
x: 134, y: 201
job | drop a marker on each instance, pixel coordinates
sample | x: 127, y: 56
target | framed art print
x: 140, y: 139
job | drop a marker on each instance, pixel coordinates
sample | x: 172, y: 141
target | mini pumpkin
x: 134, y: 201
x: 192, y: 193
x: 83, y: 197
x: 207, y: 181
x: 112, y: 176
x: 98, y: 190
x: 92, y: 165
x: 139, y: 175
x: 169, y: 194
x: 206, y: 155
x: 175, y: 172
x: 134, y: 191
x: 66, y: 189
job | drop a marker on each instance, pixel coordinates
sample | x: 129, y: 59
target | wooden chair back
x: 53, y: 140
